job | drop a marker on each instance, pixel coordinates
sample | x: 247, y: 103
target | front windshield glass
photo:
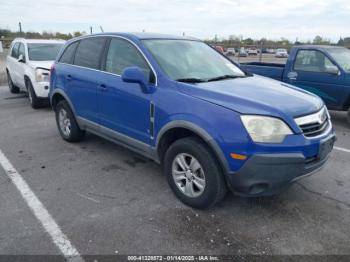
x: 185, y: 60
x: 342, y: 57
x: 43, y: 52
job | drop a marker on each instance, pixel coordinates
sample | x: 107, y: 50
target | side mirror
x: 333, y: 70
x: 21, y: 59
x: 136, y: 75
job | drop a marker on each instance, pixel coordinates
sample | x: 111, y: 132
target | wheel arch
x: 179, y: 129
x: 59, y: 95
x: 26, y: 79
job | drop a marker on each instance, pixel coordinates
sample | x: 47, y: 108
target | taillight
x: 52, y: 68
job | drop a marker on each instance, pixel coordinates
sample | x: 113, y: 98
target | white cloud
x: 205, y: 18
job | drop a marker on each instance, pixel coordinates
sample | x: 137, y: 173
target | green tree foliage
x: 319, y: 40
x: 8, y: 34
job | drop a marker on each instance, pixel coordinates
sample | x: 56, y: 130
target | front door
x: 124, y: 107
x: 21, y: 66
x: 311, y: 72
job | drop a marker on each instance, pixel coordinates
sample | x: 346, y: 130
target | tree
x: 319, y: 40
x: 76, y: 34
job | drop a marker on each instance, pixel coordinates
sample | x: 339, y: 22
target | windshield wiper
x: 223, y: 77
x: 190, y: 80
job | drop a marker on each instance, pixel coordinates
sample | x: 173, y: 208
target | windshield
x: 342, y: 57
x: 43, y: 52
x: 191, y: 60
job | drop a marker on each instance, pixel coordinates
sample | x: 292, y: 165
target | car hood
x: 256, y: 95
x: 41, y: 64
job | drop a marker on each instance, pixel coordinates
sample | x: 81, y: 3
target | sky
x: 272, y: 19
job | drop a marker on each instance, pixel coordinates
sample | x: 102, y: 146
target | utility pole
x: 20, y: 28
x: 90, y: 30
x: 261, y: 48
x: 240, y: 46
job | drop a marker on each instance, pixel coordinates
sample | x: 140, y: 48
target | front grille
x: 311, y: 130
x: 315, y: 124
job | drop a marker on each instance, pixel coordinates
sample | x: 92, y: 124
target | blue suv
x: 178, y: 101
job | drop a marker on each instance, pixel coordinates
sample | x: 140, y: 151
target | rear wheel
x: 66, y: 123
x: 194, y: 173
x: 13, y: 89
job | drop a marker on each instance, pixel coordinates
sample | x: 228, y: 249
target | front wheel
x: 194, y: 174
x: 66, y: 123
x: 33, y: 99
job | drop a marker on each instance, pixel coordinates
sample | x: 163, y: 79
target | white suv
x: 28, y: 67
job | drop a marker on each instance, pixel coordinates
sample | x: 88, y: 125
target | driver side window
x: 312, y: 61
x: 21, y: 51
x: 121, y: 54
x: 14, y: 51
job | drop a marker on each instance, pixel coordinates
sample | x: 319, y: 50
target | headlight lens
x: 42, y: 75
x: 263, y: 129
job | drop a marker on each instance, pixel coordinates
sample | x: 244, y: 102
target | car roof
x: 318, y: 46
x: 39, y: 41
x: 141, y: 36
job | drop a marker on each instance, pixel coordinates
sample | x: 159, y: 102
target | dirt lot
x: 108, y: 200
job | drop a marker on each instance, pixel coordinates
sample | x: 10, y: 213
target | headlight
x: 264, y: 129
x: 42, y: 75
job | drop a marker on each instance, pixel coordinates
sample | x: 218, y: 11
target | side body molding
x: 201, y: 133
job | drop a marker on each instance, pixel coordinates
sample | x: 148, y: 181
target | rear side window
x: 68, y: 53
x: 311, y: 61
x: 14, y: 52
x: 89, y: 52
x: 122, y: 54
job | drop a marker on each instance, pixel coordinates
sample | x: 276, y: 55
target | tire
x: 187, y: 186
x: 13, y: 89
x: 33, y: 99
x: 349, y: 116
x: 66, y: 123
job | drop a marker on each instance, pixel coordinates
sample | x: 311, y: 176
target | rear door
x: 309, y: 72
x: 12, y: 61
x: 84, y: 77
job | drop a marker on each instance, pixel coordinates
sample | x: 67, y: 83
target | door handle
x: 69, y: 77
x: 292, y: 76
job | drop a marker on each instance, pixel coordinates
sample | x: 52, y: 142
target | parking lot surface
x: 108, y: 200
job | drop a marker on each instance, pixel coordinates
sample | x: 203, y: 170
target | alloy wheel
x: 188, y: 175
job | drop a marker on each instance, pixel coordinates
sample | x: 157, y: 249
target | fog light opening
x: 258, y: 188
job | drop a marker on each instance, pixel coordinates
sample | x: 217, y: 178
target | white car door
x: 21, y: 64
x: 12, y: 61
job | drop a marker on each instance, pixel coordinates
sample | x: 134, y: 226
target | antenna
x: 101, y: 29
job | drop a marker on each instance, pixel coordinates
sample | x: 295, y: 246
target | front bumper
x: 41, y: 89
x: 268, y: 174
